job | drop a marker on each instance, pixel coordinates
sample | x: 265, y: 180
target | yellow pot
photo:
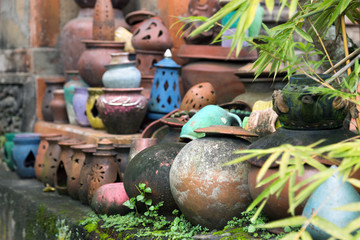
x: 91, y: 109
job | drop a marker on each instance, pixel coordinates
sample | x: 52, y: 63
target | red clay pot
x: 58, y: 107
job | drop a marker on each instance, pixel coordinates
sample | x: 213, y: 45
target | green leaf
x: 306, y: 236
x: 148, y: 202
x: 353, y: 225
x: 140, y: 198
x: 270, y: 5
x: 142, y: 186
x: 292, y: 221
x: 330, y: 228
x: 292, y: 7
x: 351, y: 207
x: 303, y: 34
x: 251, y: 229
x: 147, y: 190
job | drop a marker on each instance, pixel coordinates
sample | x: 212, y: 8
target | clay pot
x: 145, y: 60
x: 136, y: 18
x: 77, y: 162
x: 152, y: 166
x: 152, y: 35
x: 122, y: 156
x: 122, y: 75
x: 92, y: 61
x: 198, y: 96
x: 73, y: 80
x: 120, y: 4
x: 43, y: 146
x: 84, y: 176
x: 8, y: 146
x: 139, y: 144
x: 63, y: 168
x: 58, y: 107
x: 77, y: 30
x: 24, y: 153
x: 109, y: 198
x: 79, y: 103
x: 122, y: 110
x: 51, y: 85
x: 207, y: 192
x: 91, y: 109
x: 103, y: 22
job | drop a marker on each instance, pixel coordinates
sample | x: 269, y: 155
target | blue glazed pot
x: 24, y: 154
x: 8, y: 146
x: 122, y: 75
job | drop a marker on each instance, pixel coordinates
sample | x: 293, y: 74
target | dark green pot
x: 299, y: 109
x: 8, y: 146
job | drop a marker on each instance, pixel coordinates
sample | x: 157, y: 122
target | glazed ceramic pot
x: 8, y: 146
x: 120, y: 4
x: 24, y: 153
x: 91, y: 109
x: 121, y: 75
x: 122, y: 110
x: 77, y: 162
x: 299, y: 109
x: 51, y: 159
x: 207, y: 192
x: 73, y: 80
x: 64, y: 165
x: 109, y: 198
x: 152, y: 166
x: 92, y: 61
x: 79, y: 102
x: 43, y: 146
x: 77, y: 30
x: 122, y: 157
x: 58, y: 107
x: 51, y: 85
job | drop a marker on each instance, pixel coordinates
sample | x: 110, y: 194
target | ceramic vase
x: 79, y: 103
x: 122, y: 110
x: 8, y: 146
x: 152, y: 166
x: 51, y: 85
x: 24, y: 153
x: 77, y: 162
x: 58, y: 107
x: 73, y: 80
x: 207, y: 192
x: 63, y: 168
x: 43, y: 146
x: 91, y: 109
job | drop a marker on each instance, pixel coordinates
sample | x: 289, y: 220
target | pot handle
x: 237, y: 118
x: 279, y: 104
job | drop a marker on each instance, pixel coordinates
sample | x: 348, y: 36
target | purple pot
x: 79, y: 103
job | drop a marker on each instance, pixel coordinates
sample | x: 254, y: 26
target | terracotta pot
x: 145, y: 60
x: 64, y: 165
x: 58, y: 107
x: 122, y: 109
x: 122, y: 157
x: 207, y: 192
x: 84, y: 176
x: 91, y: 109
x: 79, y: 103
x: 43, y: 146
x: 77, y: 30
x: 92, y: 61
x: 136, y: 18
x: 51, y: 85
x: 139, y: 144
x: 51, y: 159
x: 152, y: 166
x: 77, y: 162
x: 120, y: 4
x: 103, y: 23
x: 109, y: 198
x: 198, y: 96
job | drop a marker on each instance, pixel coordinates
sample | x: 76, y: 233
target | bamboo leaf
x: 303, y: 34
x: 284, y: 163
x: 355, y: 182
x: 267, y: 165
x: 306, y: 236
x: 292, y: 7
x: 351, y: 207
x: 330, y: 228
x: 270, y: 5
x: 292, y: 221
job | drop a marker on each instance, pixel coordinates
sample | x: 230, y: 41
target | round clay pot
x: 122, y: 75
x: 58, y: 107
x: 92, y: 61
x: 51, y: 85
x: 77, y: 162
x: 135, y: 18
x: 79, y: 103
x: 109, y: 198
x: 139, y: 144
x: 120, y: 4
x: 73, y: 80
x: 84, y: 176
x: 122, y: 110
x: 91, y: 109
x: 152, y: 166
x: 145, y: 60
x: 43, y: 146
x: 207, y: 192
x: 198, y: 96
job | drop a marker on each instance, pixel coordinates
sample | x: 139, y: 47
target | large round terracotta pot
x: 207, y: 192
x: 152, y: 166
x: 77, y: 30
x: 122, y: 110
x: 92, y: 61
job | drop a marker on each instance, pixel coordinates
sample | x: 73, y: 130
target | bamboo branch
x: 354, y: 53
x: 342, y: 70
x: 346, y: 49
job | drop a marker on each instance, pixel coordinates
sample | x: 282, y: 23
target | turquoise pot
x: 122, y: 75
x: 8, y: 146
x: 331, y: 194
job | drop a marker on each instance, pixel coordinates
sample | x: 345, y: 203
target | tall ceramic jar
x: 122, y: 109
x: 91, y: 109
x: 73, y: 80
x: 58, y: 107
x: 43, y: 146
x: 77, y: 162
x: 51, y: 85
x: 79, y: 103
x: 8, y: 146
x: 93, y: 60
x: 123, y: 74
x: 24, y: 153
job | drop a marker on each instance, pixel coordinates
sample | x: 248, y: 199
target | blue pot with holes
x: 24, y: 153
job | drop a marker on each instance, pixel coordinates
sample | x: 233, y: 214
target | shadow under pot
x: 24, y: 153
x: 64, y: 165
x: 122, y: 110
x: 92, y: 110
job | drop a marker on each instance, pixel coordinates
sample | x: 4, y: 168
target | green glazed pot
x: 8, y: 146
x: 299, y: 109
